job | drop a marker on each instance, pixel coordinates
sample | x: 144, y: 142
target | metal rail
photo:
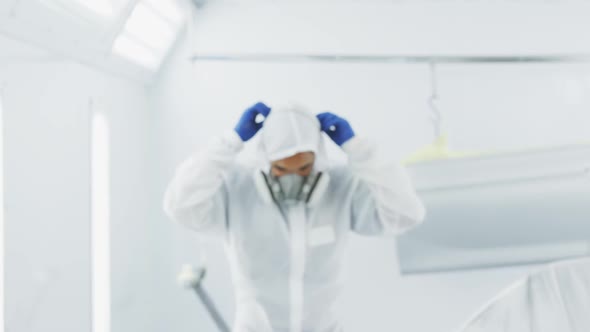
x: 359, y: 58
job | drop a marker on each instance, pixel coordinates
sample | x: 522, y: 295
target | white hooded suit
x: 286, y: 264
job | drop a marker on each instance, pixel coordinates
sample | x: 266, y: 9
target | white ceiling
x: 12, y: 50
x: 88, y: 41
x: 65, y: 34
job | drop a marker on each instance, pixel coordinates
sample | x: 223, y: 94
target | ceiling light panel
x: 149, y: 28
x: 127, y: 47
x: 149, y: 32
x: 167, y: 9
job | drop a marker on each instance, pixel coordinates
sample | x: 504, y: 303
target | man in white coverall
x: 285, y: 224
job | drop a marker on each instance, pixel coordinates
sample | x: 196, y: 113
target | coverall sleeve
x: 384, y: 200
x: 197, y: 195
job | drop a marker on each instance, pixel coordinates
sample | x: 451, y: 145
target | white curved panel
x: 556, y: 298
x: 501, y: 210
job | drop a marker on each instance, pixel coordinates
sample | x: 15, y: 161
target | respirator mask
x: 292, y: 188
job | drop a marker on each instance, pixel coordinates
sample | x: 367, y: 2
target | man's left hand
x: 337, y: 128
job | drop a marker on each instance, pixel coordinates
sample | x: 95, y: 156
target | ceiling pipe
x: 394, y: 58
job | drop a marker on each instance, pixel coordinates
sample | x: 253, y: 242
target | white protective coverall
x: 286, y: 260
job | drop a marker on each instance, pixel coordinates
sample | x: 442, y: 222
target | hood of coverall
x: 290, y: 129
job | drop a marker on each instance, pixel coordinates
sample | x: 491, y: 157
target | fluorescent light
x: 127, y: 47
x: 1, y: 216
x: 167, y: 9
x: 101, y: 262
x: 150, y: 28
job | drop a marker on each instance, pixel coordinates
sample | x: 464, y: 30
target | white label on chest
x: 321, y: 235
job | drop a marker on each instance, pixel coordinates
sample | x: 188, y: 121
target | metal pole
x: 191, y: 277
x: 436, y: 116
x: 211, y: 308
x: 393, y: 58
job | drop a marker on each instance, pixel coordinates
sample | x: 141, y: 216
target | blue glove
x: 337, y: 128
x: 247, y: 127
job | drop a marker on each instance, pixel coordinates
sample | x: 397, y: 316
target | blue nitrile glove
x: 337, y: 128
x: 247, y: 127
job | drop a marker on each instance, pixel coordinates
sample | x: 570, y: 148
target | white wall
x: 382, y: 27
x: 485, y: 107
x: 46, y: 123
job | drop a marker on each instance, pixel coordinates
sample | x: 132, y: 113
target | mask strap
x: 313, y: 186
x: 319, y: 188
x: 263, y: 185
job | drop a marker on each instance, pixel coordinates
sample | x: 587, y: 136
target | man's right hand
x: 247, y: 127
